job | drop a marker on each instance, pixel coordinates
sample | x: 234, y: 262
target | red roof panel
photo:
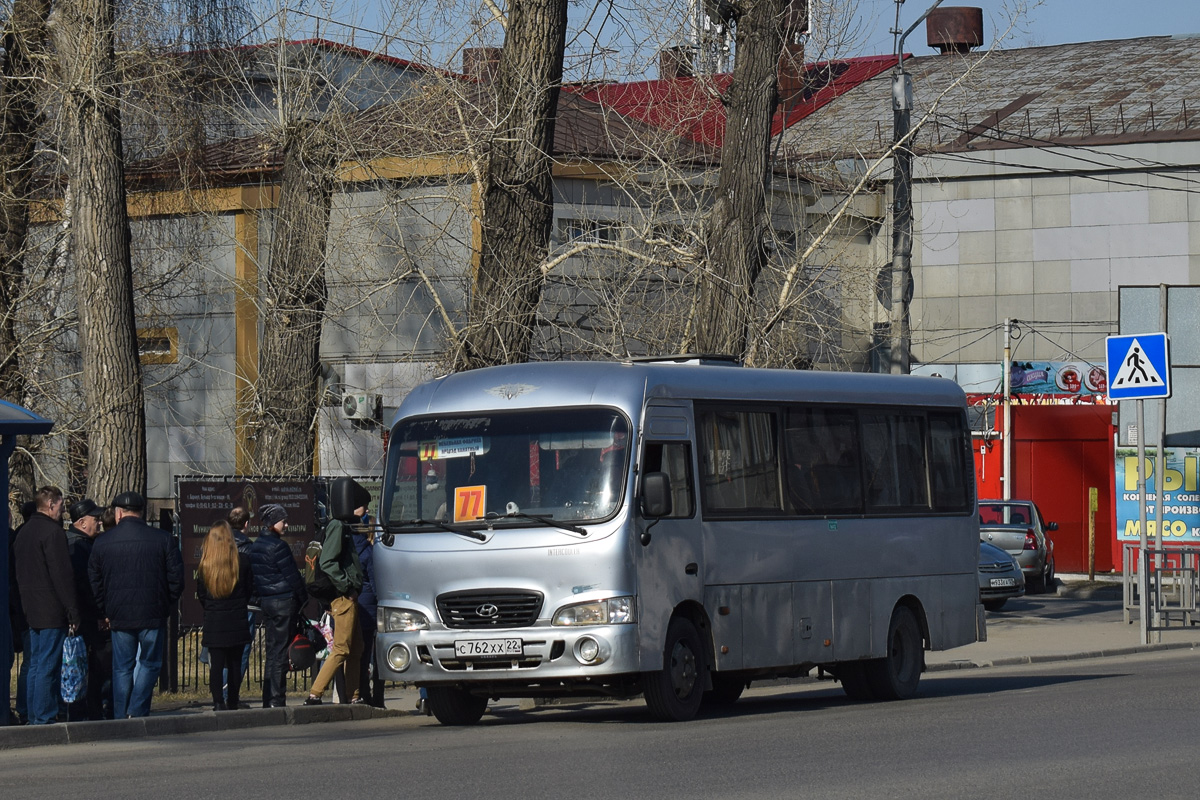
x: 692, y: 106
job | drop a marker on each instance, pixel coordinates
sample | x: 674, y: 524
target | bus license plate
x: 487, y: 648
x: 998, y: 583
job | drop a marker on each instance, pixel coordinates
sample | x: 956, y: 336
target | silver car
x: 1017, y: 527
x: 999, y: 577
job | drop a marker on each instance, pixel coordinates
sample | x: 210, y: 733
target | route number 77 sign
x: 470, y: 503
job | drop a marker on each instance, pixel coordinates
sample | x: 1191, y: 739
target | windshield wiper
x: 547, y: 521
x: 435, y: 524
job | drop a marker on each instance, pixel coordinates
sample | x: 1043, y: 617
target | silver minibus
x: 674, y: 528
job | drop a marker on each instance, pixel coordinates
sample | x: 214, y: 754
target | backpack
x: 305, y: 646
x: 316, y: 581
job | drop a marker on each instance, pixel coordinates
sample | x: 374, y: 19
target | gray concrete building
x: 1044, y: 178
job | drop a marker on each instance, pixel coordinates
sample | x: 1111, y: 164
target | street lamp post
x: 902, y: 223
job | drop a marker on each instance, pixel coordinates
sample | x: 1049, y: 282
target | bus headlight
x: 394, y: 620
x: 613, y: 611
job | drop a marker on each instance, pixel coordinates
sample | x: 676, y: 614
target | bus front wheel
x: 896, y: 675
x: 674, y: 693
x: 454, y: 706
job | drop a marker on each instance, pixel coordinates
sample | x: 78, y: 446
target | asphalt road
x: 1089, y: 729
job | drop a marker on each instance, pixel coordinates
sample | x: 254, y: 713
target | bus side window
x: 675, y: 459
x: 740, y: 465
x: 894, y: 457
x: 948, y: 466
x: 823, y: 473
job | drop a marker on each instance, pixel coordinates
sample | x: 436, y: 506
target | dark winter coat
x: 136, y: 574
x: 79, y: 548
x: 16, y: 615
x: 366, y: 598
x: 44, y: 575
x: 225, y: 617
x: 274, y: 567
x: 242, y: 541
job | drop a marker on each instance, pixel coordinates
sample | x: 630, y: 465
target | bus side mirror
x: 656, y: 495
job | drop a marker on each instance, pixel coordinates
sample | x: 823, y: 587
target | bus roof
x: 627, y: 385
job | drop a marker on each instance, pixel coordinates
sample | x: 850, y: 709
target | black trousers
x: 278, y: 620
x: 221, y: 659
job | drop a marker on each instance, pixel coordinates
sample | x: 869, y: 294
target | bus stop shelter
x: 14, y: 421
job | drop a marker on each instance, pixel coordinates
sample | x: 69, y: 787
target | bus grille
x: 489, y: 609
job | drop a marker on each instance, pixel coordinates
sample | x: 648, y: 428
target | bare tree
x: 83, y: 35
x: 24, y: 46
x: 518, y: 201
x: 737, y: 226
x: 289, y: 380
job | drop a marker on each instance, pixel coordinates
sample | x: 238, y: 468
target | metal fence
x: 186, y: 667
x: 1173, y: 586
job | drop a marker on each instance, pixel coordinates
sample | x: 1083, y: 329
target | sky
x: 611, y: 38
x: 1046, y: 23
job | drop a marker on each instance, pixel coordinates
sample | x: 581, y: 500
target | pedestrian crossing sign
x: 1138, y: 367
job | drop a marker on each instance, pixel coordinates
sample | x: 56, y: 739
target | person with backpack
x: 370, y: 686
x: 280, y: 591
x: 224, y: 586
x: 339, y: 563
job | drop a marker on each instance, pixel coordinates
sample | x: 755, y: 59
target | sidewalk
x: 1083, y: 620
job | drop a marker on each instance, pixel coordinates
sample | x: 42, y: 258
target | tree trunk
x: 82, y: 34
x: 518, y: 199
x: 293, y: 306
x: 737, y: 224
x: 24, y: 45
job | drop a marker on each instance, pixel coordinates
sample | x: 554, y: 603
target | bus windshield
x: 501, y: 468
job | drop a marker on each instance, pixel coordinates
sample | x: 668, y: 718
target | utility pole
x: 902, y: 223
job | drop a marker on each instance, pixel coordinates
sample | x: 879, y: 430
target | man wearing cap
x: 47, y: 588
x: 280, y: 590
x: 136, y: 574
x: 81, y: 536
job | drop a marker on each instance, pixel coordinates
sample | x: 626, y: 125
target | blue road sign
x: 1139, y: 367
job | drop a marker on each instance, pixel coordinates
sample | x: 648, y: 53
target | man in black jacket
x: 85, y: 525
x: 47, y: 588
x: 136, y: 574
x: 280, y: 590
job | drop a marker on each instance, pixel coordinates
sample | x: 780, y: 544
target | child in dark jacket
x: 224, y: 587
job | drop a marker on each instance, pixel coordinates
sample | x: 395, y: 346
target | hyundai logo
x: 488, y: 611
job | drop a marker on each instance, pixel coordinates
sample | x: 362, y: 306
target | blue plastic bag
x: 74, y: 669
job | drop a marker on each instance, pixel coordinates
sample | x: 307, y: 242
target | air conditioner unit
x: 358, y: 406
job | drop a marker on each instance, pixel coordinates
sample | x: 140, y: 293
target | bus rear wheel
x: 896, y: 675
x: 454, y: 706
x: 674, y: 693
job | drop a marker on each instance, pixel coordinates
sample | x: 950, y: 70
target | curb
x: 951, y: 666
x: 171, y: 724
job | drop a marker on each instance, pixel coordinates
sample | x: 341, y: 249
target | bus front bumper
x: 535, y: 655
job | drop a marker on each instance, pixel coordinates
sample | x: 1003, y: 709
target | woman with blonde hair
x: 224, y: 586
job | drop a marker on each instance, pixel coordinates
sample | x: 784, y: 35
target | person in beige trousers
x: 348, y: 502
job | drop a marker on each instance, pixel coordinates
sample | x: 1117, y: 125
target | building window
x: 158, y: 345
x: 587, y: 231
